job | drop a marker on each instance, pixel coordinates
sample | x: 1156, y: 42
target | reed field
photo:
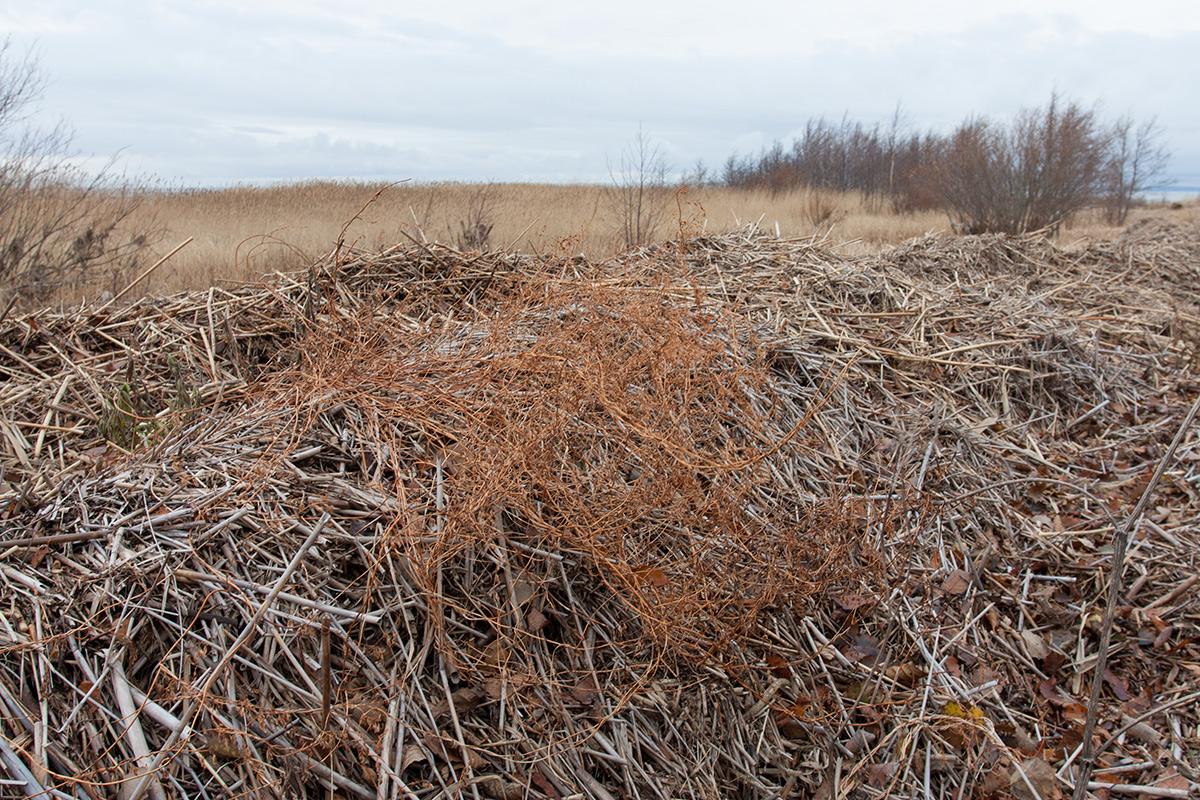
x: 242, y: 233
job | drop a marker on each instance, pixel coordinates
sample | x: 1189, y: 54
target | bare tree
x: 638, y: 195
x: 1137, y: 160
x: 1033, y: 174
x: 59, y: 224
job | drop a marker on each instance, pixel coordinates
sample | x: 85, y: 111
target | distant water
x: 1171, y: 194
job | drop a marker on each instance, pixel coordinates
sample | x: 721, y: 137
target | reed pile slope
x: 732, y: 518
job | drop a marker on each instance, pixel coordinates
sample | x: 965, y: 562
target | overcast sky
x: 207, y: 93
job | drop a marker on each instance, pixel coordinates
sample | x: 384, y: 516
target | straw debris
x: 733, y: 516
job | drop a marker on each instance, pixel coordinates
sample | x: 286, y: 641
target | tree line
x: 1032, y: 172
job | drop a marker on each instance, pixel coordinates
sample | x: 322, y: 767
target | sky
x: 254, y: 91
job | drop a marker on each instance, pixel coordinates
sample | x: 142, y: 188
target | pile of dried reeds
x: 729, y: 517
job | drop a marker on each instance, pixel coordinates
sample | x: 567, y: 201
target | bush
x: 1136, y: 160
x: 1033, y: 174
x: 59, y: 225
x: 638, y: 195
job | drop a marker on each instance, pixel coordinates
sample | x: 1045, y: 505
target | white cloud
x: 469, y: 89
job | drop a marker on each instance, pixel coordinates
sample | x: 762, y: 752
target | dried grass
x: 245, y: 231
x: 729, y: 517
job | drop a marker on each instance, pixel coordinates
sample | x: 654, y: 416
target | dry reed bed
x: 733, y: 518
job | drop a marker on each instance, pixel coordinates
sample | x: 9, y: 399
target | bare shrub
x: 475, y: 229
x: 822, y: 208
x: 1136, y: 160
x: 59, y: 224
x: 638, y: 195
x: 1035, y: 173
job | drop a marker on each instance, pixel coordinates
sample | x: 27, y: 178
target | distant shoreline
x: 1170, y: 194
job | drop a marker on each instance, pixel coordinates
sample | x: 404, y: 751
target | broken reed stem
x: 197, y: 702
x: 326, y: 674
x: 502, y: 423
x: 1120, y: 546
x: 149, y: 271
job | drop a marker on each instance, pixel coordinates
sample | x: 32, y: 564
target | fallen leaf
x: 536, y: 620
x: 372, y: 716
x: 1119, y: 686
x: 1076, y: 712
x: 586, y: 690
x: 972, y: 713
x: 1049, y: 690
x: 859, y: 741
x: 1036, y: 644
x: 907, y: 673
x: 995, y: 780
x: 495, y: 655
x: 826, y: 791
x: 223, y: 744
x: 853, y: 601
x: 1170, y: 779
x: 788, y: 720
x: 779, y: 666
x: 1033, y: 779
x: 465, y: 700
x: 957, y: 582
x: 655, y: 577
x: 412, y: 754
x: 496, y: 787
x: 448, y: 747
x: 864, y: 649
x: 880, y: 774
x: 523, y: 591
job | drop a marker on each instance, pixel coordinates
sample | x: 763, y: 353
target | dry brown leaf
x: 852, y: 601
x: 496, y: 655
x: 1119, y: 686
x: 465, y: 700
x: 1034, y: 779
x: 586, y: 690
x: 907, y: 673
x: 1170, y: 779
x: 372, y: 716
x: 879, y: 775
x: 957, y: 582
x: 863, y: 649
x: 449, y: 747
x: 779, y: 666
x: 1036, y: 644
x: 653, y: 576
x: 496, y: 787
x: 1049, y: 690
x: 412, y: 754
